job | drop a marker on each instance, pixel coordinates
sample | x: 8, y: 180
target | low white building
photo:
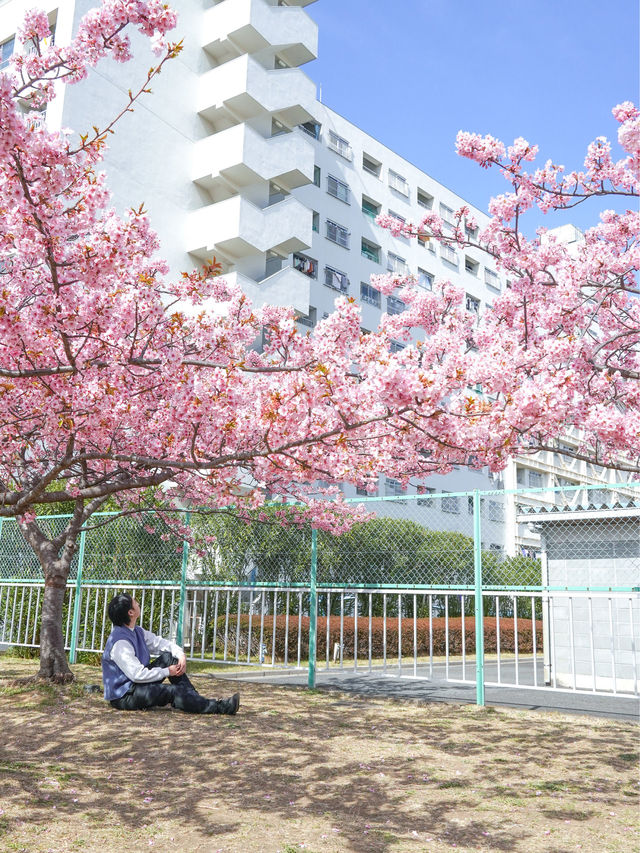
x: 592, y: 631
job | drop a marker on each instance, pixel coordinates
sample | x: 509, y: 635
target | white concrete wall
x: 594, y: 643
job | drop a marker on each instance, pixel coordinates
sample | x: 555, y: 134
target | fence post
x: 183, y: 588
x: 479, y: 610
x: 313, y: 609
x: 77, y: 602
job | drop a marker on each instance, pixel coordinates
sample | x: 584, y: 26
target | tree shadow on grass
x: 379, y: 772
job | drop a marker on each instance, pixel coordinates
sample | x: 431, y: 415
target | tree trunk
x: 53, y: 660
x: 55, y: 556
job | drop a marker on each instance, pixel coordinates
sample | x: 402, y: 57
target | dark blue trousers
x: 180, y: 693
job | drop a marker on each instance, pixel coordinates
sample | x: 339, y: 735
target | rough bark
x: 53, y: 660
x: 55, y: 556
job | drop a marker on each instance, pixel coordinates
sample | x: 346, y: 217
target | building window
x: 398, y: 183
x: 369, y: 294
x: 6, y: 52
x: 448, y: 217
x: 451, y: 504
x: 392, y: 486
x: 425, y: 490
x: 449, y: 255
x: 317, y: 175
x: 312, y: 128
x: 372, y: 166
x: 491, y: 279
x: 472, y: 304
x: 315, y: 221
x: 370, y: 251
x: 395, y: 305
x: 472, y: 233
x: 338, y: 189
x: 425, y: 279
x: 397, y: 216
x: 370, y: 208
x: 396, y: 264
x: 336, y: 280
x: 525, y: 476
x: 310, y: 319
x: 337, y: 234
x: 496, y: 511
x: 471, y: 266
x: 425, y: 199
x: 424, y: 241
x: 339, y: 145
x: 305, y: 265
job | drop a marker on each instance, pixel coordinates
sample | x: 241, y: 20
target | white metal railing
x: 561, y: 640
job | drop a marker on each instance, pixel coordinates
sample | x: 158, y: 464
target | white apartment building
x: 234, y: 156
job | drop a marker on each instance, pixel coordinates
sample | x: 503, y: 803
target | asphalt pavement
x: 438, y: 685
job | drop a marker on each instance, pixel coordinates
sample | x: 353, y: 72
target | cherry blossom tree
x: 117, y: 384
x: 560, y: 349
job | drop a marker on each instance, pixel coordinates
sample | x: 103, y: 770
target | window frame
x: 344, y: 279
x: 446, y: 249
x: 340, y: 145
x: 375, y: 300
x: 339, y: 229
x: 339, y: 185
x: 391, y: 265
x: 398, y: 183
x: 374, y: 255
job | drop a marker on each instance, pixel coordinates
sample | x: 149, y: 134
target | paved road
x: 438, y: 689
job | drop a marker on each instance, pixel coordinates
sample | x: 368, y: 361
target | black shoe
x: 229, y: 706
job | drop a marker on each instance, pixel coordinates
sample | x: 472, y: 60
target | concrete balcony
x: 286, y: 287
x: 243, y: 89
x: 249, y: 26
x: 239, y: 156
x: 236, y: 228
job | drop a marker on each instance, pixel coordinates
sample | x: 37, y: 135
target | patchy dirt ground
x: 307, y: 770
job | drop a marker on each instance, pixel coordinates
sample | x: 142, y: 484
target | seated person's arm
x: 124, y: 656
x: 157, y: 644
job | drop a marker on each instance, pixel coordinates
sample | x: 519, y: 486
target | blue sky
x: 414, y: 72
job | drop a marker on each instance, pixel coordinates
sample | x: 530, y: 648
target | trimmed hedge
x: 507, y: 635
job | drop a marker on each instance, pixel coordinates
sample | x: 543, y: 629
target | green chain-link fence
x: 480, y: 556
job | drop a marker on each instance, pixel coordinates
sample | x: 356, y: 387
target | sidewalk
x: 419, y: 689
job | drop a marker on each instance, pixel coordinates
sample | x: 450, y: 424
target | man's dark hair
x: 119, y: 608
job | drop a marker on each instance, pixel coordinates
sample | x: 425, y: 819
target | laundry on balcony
x: 305, y: 265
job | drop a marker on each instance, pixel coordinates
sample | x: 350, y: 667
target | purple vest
x: 116, y: 683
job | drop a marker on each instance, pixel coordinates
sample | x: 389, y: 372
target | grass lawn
x: 307, y: 770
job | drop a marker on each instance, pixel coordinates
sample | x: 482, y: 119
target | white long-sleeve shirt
x: 124, y: 656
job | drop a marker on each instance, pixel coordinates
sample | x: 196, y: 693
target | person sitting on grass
x: 132, y: 682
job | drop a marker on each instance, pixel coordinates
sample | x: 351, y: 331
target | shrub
x: 424, y: 639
